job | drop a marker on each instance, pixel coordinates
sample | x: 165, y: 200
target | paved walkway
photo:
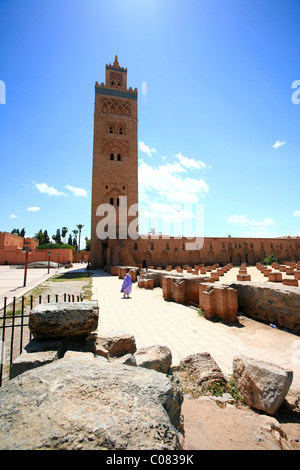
x: 12, y: 280
x: 154, y: 321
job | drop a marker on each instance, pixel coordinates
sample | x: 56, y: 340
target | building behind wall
x: 115, y: 177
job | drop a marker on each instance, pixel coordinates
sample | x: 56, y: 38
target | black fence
x: 14, y: 330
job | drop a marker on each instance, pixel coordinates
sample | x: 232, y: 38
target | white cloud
x: 33, y: 209
x: 296, y: 213
x: 146, y: 149
x: 13, y: 216
x: 190, y: 163
x: 45, y: 189
x: 166, y: 183
x: 246, y: 222
x: 278, y: 144
x: 78, y: 192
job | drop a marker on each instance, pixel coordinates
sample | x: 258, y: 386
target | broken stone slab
x: 64, y: 319
x: 90, y: 404
x: 203, y: 368
x: 112, y: 344
x: 263, y: 385
x: 128, y: 360
x: 27, y: 361
x: 155, y: 357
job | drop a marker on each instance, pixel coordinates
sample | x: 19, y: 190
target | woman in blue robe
x: 127, y: 285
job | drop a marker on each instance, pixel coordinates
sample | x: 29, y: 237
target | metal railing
x: 14, y: 330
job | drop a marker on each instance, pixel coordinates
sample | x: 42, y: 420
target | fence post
x: 12, y: 333
x: 22, y: 323
x: 3, y: 338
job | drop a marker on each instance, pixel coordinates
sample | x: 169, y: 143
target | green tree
x: 40, y: 237
x: 75, y: 238
x: 46, y: 237
x: 80, y: 227
x: 64, y: 232
x: 70, y: 240
x: 57, y: 237
x: 87, y: 244
x: 22, y: 233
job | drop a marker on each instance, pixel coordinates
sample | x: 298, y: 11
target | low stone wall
x: 183, y: 290
x: 276, y: 304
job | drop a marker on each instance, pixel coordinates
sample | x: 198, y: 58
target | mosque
x: 115, y: 193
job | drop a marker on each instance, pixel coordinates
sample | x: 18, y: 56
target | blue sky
x: 217, y: 123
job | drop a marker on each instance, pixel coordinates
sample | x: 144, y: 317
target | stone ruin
x: 75, y: 388
x: 276, y: 301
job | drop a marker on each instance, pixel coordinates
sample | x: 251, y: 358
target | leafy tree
x: 269, y: 260
x: 80, y: 227
x: 87, y: 244
x: 57, y: 237
x: 75, y: 243
x: 75, y: 238
x: 22, y: 233
x: 70, y: 240
x: 40, y: 237
x: 49, y: 246
x: 46, y: 237
x: 64, y: 232
x: 16, y: 231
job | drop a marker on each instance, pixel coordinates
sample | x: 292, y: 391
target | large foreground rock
x: 64, y: 319
x: 209, y: 427
x: 263, y: 385
x: 90, y: 403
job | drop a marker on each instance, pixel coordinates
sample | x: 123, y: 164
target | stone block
x: 266, y: 272
x: 243, y: 277
x: 242, y: 271
x: 27, y: 361
x: 290, y: 282
x: 215, y: 276
x: 63, y: 319
x: 111, y: 345
x: 289, y: 271
x: 202, y: 270
x: 221, y: 302
x: 148, y: 284
x: 263, y: 385
x: 155, y: 357
x: 203, y: 368
x: 275, y: 277
x: 297, y: 275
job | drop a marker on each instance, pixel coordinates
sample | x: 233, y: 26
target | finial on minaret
x: 116, y: 61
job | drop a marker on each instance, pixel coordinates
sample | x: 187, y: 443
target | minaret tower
x: 115, y: 156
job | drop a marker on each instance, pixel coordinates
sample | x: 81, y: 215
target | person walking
x: 126, y: 286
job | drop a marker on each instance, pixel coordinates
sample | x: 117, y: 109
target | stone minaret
x: 115, y: 158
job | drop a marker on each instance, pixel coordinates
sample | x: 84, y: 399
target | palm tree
x: 64, y: 232
x: 80, y: 227
x: 75, y: 233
